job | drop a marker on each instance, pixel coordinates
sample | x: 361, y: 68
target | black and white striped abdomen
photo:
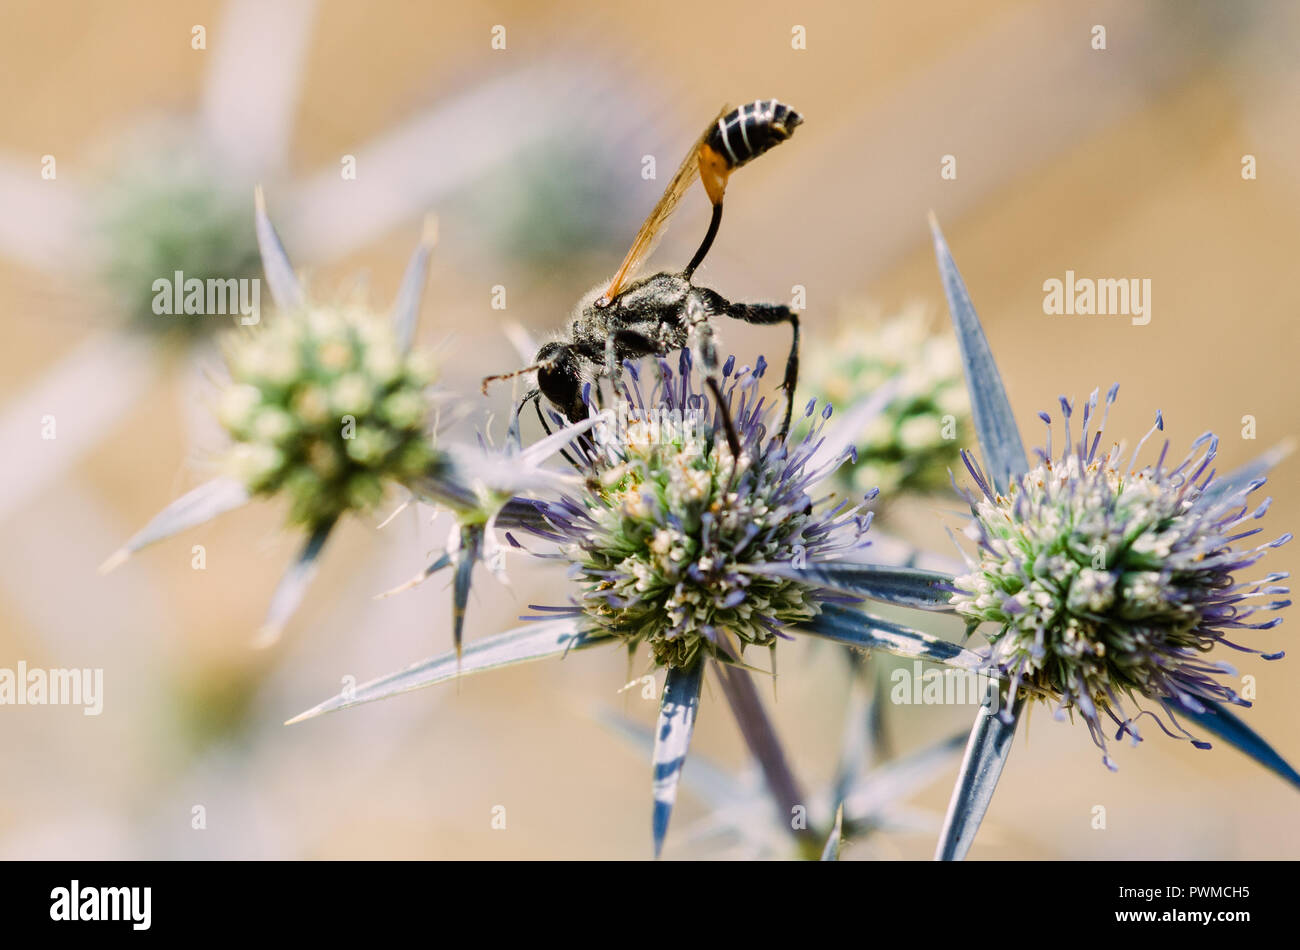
x: 744, y: 134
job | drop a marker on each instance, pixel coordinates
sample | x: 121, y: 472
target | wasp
x: 629, y: 318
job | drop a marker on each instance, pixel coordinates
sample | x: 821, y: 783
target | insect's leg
x: 621, y: 345
x: 537, y: 405
x: 627, y: 345
x: 699, y: 332
x: 536, y: 397
x: 611, y: 367
x: 733, y: 441
x: 631, y: 344
x: 767, y: 314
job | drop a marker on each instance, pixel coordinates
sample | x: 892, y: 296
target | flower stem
x: 761, y: 737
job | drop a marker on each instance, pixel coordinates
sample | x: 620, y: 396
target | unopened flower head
x: 324, y: 406
x: 911, y: 445
x: 1110, y: 582
x: 670, y: 540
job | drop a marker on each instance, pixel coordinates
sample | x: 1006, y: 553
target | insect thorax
x: 653, y: 308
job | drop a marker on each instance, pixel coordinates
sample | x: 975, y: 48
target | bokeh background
x: 1117, y: 163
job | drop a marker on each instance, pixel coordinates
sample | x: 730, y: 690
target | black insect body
x: 654, y: 316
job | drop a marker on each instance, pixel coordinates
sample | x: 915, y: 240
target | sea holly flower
x: 170, y: 211
x: 1105, y: 582
x: 909, y: 447
x: 691, y: 501
x: 324, y: 405
x: 698, y: 532
x: 1108, y: 581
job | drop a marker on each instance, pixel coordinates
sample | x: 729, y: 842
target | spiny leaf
x: 544, y: 448
x: 1239, y: 478
x: 832, y: 850
x: 522, y: 513
x: 530, y: 642
x: 677, y: 711
x: 764, y: 744
x: 1219, y: 720
x: 709, y: 782
x: 1003, y: 454
x: 252, y: 84
x: 849, y: 425
x: 903, y: 586
x: 406, y: 310
x: 191, y: 509
x: 471, y: 539
x: 857, y: 745
x: 899, y: 780
x: 986, y: 754
x: 879, y: 744
x: 280, y: 278
x: 293, y: 585
x: 889, y: 549
x: 995, y: 424
x: 858, y: 629
x: 433, y: 567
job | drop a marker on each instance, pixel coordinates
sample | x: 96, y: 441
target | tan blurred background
x: 1117, y: 163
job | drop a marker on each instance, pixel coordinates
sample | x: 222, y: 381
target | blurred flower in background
x: 167, y: 207
x: 911, y: 446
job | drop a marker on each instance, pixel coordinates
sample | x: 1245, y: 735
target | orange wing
x: 653, y: 228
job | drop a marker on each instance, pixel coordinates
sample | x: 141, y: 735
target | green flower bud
x: 325, y: 406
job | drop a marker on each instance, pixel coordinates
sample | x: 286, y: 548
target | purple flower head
x: 688, y: 498
x: 1110, y: 582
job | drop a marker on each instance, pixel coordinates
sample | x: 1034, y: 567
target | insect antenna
x: 518, y: 372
